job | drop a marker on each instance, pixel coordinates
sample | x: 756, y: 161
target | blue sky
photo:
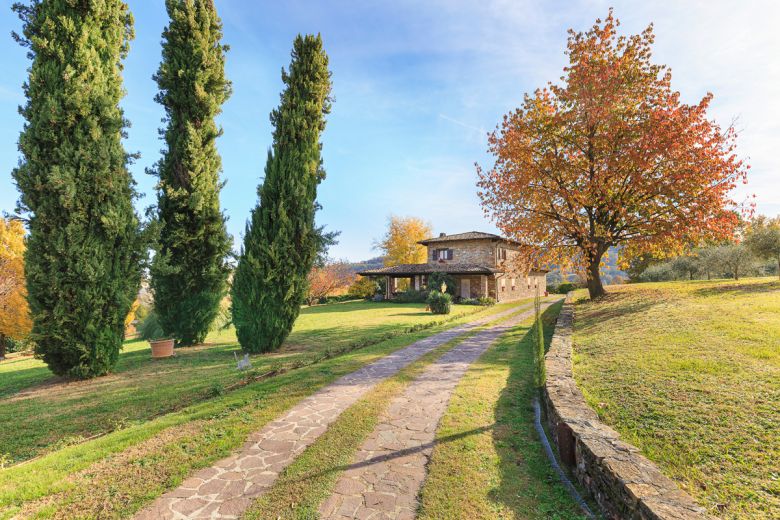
x: 417, y: 85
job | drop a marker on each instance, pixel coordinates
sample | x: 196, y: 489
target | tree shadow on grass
x: 734, y: 289
x: 611, y: 306
x: 529, y: 487
x: 394, y: 455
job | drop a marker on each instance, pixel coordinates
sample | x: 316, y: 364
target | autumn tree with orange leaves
x: 611, y: 157
x: 325, y: 279
x: 14, y: 313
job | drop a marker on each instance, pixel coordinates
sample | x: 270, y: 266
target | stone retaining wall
x: 624, y: 483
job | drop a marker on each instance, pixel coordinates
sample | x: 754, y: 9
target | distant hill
x: 365, y: 265
x: 610, y: 273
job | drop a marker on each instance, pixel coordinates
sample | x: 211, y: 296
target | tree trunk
x: 2, y: 346
x: 595, y: 288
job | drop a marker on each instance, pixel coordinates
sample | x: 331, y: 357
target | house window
x: 443, y: 254
x: 501, y: 253
x: 503, y: 284
x: 512, y: 281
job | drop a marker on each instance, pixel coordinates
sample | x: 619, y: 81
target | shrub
x: 436, y: 279
x: 439, y: 303
x: 484, y: 301
x: 335, y: 299
x: 411, y: 296
x: 150, y: 328
x: 363, y: 287
x: 566, y: 287
x: 19, y: 345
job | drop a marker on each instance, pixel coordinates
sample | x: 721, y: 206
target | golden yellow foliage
x: 399, y: 244
x: 14, y: 313
x: 129, y: 329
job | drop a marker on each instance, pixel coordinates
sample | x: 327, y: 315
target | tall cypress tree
x: 189, y: 272
x: 281, y: 241
x: 85, y: 244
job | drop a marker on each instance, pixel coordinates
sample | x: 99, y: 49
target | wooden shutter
x: 449, y: 254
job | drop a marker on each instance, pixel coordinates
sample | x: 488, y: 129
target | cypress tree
x: 281, y: 241
x: 189, y: 272
x: 85, y: 245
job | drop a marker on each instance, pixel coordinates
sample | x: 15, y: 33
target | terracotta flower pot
x: 162, y: 348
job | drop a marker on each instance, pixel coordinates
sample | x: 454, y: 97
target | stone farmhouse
x: 481, y: 264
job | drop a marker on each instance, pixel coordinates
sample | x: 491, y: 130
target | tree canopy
x: 190, y: 270
x: 282, y: 242
x: 399, y: 243
x: 610, y: 157
x: 763, y: 238
x: 85, y: 247
x: 15, y: 320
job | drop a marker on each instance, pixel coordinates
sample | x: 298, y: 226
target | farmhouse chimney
x: 442, y: 235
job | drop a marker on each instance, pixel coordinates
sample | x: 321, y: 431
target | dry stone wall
x: 624, y: 483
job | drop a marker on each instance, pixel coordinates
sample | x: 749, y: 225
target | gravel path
x: 389, y: 468
x: 229, y: 487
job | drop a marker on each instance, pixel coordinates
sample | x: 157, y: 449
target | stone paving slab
x: 228, y: 488
x: 389, y: 468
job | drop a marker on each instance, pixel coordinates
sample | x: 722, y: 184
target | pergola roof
x: 414, y: 269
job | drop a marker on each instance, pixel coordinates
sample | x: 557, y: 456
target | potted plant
x: 161, y: 348
x: 151, y: 331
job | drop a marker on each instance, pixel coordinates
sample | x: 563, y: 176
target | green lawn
x: 114, y: 475
x: 689, y: 372
x: 489, y: 463
x: 48, y: 413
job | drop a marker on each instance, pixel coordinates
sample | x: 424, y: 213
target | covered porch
x: 471, y: 281
x: 466, y: 285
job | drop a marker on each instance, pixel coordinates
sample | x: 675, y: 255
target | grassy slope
x: 48, y: 413
x: 690, y: 373
x: 489, y: 462
x: 115, y: 474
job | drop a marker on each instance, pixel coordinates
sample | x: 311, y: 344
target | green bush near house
x: 436, y: 279
x: 484, y: 301
x: 411, y: 296
x: 439, y: 303
x: 363, y: 287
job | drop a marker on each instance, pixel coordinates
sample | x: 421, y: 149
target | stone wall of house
x: 514, y: 286
x: 480, y: 252
x: 475, y: 285
x: 624, y: 483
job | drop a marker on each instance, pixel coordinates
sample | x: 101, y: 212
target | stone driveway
x: 228, y: 488
x: 389, y: 468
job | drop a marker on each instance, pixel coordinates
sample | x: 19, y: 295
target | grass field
x: 689, y: 372
x: 48, y: 413
x: 114, y: 475
x: 489, y: 462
